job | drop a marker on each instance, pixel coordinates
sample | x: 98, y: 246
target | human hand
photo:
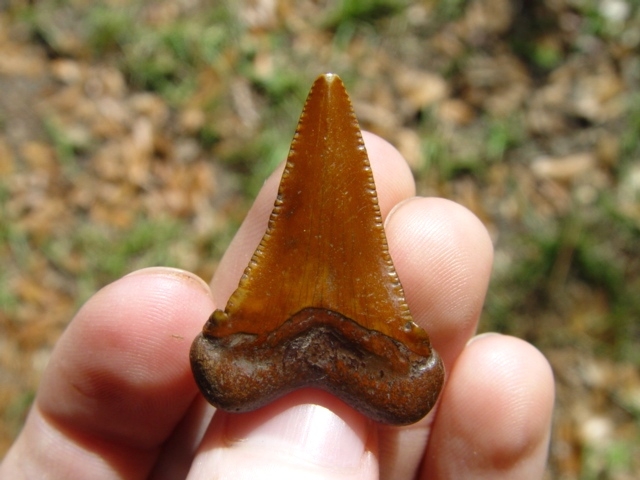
x: 118, y: 399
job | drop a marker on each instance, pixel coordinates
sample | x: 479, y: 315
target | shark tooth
x: 320, y: 303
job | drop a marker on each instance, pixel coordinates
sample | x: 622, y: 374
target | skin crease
x: 118, y: 399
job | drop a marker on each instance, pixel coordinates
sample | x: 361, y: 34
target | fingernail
x: 482, y: 335
x: 173, y: 272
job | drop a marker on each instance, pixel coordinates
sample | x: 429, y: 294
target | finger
x: 443, y: 255
x: 309, y: 434
x: 495, y: 413
x: 118, y: 381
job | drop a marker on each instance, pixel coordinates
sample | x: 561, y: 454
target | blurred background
x: 136, y: 133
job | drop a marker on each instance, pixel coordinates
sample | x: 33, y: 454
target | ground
x: 136, y: 134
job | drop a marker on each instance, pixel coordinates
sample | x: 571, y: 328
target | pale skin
x: 118, y: 401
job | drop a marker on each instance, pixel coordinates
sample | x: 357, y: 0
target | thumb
x: 308, y: 434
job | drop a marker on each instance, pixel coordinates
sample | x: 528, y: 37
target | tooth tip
x: 329, y: 78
